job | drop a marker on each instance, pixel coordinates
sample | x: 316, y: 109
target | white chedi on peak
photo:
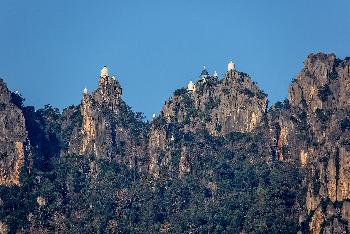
x: 215, y: 74
x: 230, y: 66
x: 104, y: 72
x: 191, y: 87
x: 85, y: 91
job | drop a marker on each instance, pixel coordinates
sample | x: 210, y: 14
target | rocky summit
x: 216, y: 159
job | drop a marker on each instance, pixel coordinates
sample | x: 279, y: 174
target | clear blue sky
x: 49, y: 50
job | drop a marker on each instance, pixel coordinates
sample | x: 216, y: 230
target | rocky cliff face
x: 233, y: 104
x: 214, y: 145
x: 312, y: 128
x: 328, y: 155
x: 13, y: 139
x: 103, y: 126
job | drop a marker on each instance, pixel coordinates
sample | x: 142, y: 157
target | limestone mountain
x: 13, y: 138
x: 216, y: 159
x: 104, y: 126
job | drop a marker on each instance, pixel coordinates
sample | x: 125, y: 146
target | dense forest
x: 216, y: 160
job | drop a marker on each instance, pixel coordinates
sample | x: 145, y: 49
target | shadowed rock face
x: 12, y: 139
x: 314, y: 129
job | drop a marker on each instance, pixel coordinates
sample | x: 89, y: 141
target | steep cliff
x: 312, y: 128
x: 103, y: 126
x: 232, y: 104
x: 13, y: 138
x: 214, y: 160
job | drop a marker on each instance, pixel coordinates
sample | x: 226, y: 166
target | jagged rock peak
x: 13, y: 136
x: 322, y: 83
x: 5, y: 94
x: 109, y: 91
x: 234, y: 103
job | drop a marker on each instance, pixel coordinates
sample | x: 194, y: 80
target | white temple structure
x: 191, y: 87
x: 85, y: 91
x: 230, y: 66
x: 104, y: 72
x: 215, y: 74
x: 204, y: 74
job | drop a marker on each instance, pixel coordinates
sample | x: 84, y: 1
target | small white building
x: 204, y: 74
x: 191, y: 87
x: 104, y: 72
x: 85, y: 91
x: 230, y: 66
x: 215, y: 74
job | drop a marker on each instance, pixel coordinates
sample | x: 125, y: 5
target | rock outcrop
x: 220, y: 107
x: 216, y: 136
x: 233, y: 104
x: 103, y: 126
x: 13, y: 138
x: 313, y: 127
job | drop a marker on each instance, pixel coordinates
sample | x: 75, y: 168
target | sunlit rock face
x: 213, y: 120
x: 219, y: 107
x: 234, y: 103
x: 312, y: 127
x: 13, y: 137
x: 322, y: 83
x: 108, y: 95
x: 103, y: 126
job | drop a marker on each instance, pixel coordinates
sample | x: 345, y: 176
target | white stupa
x: 215, y: 74
x: 104, y: 72
x: 230, y: 66
x: 153, y: 116
x: 191, y: 87
x: 85, y: 91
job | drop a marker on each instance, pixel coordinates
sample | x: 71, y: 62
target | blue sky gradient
x: 49, y: 50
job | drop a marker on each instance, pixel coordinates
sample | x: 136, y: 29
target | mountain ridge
x: 213, y: 141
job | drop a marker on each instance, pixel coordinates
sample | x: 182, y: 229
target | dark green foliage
x: 324, y: 92
x: 261, y: 94
x: 75, y: 120
x: 212, y: 103
x: 321, y: 115
x: 278, y: 105
x: 248, y: 92
x: 226, y: 90
x: 127, y: 118
x: 17, y: 99
x: 159, y: 122
x: 44, y: 132
x: 2, y: 106
x: 240, y: 194
x: 333, y: 74
x: 180, y: 92
x: 345, y: 124
x: 234, y: 136
x: 282, y: 105
x: 316, y: 184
